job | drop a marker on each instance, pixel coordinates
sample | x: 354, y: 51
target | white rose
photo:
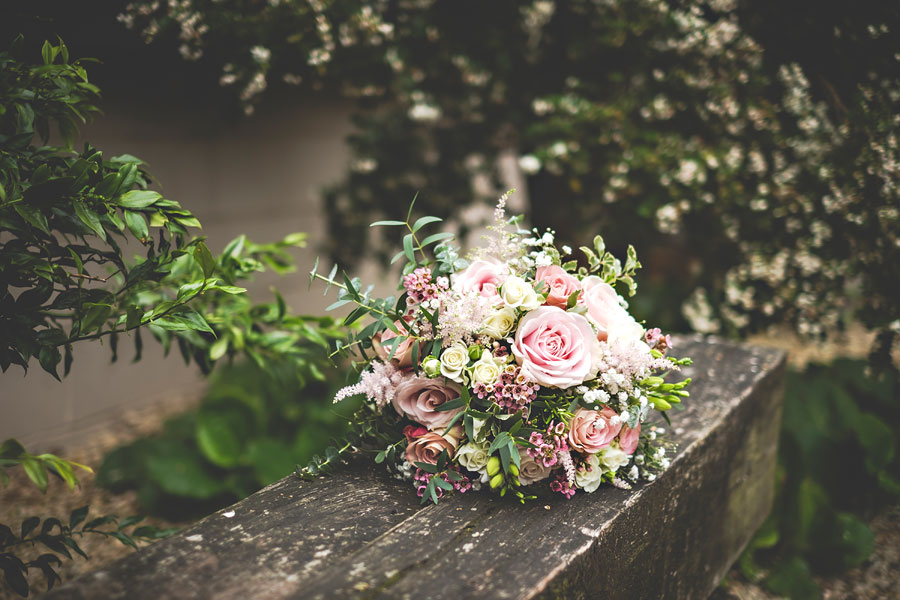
x: 472, y: 456
x: 486, y: 370
x: 590, y: 476
x: 453, y: 361
x: 517, y: 293
x: 613, y: 457
x: 499, y: 323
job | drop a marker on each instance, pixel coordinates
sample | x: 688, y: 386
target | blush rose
x: 482, y: 276
x: 418, y: 398
x: 628, y: 438
x: 402, y: 354
x: 427, y: 448
x: 559, y: 285
x: 555, y: 348
x: 590, y: 430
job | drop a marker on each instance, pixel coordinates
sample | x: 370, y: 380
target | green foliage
x: 65, y: 216
x: 62, y: 540
x: 67, y: 219
x: 37, y: 467
x: 838, y: 464
x: 250, y: 430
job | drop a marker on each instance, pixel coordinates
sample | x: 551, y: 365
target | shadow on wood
x: 362, y: 534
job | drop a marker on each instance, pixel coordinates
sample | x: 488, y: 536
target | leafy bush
x: 62, y: 540
x: 251, y: 429
x: 68, y: 219
x: 838, y: 460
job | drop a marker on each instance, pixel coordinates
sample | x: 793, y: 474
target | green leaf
x: 189, y: 320
x: 217, y: 440
x: 219, y: 348
x: 28, y: 525
x: 408, y: 251
x: 425, y: 221
x: 36, y: 471
x: 451, y: 405
x: 389, y: 223
x: 205, y: 258
x: 78, y: 516
x: 89, y: 218
x: 793, y: 579
x: 139, y: 198
x: 436, y: 237
x: 137, y: 225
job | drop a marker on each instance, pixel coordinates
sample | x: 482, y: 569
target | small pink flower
x: 559, y: 285
x: 555, y: 348
x: 590, y: 431
x: 427, y: 448
x: 419, y: 397
x: 403, y: 354
x: 605, y: 310
x: 482, y: 276
x: 629, y: 438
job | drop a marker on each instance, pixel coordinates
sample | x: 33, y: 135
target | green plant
x: 838, y: 464
x: 61, y: 539
x: 68, y: 219
x: 251, y: 428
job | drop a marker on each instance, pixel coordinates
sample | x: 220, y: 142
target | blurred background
x: 748, y: 149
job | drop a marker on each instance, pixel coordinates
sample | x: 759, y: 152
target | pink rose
x: 482, y: 276
x: 427, y: 448
x: 590, y: 430
x: 604, y: 309
x: 418, y: 397
x: 555, y: 348
x: 629, y: 438
x: 403, y: 354
x: 560, y: 285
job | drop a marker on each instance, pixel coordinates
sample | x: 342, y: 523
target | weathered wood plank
x: 361, y: 534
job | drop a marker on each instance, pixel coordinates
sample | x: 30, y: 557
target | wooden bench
x: 362, y: 534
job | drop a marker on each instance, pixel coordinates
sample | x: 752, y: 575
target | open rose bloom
x: 518, y: 369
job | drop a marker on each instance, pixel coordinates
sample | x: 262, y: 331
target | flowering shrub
x: 757, y: 142
x: 509, y: 369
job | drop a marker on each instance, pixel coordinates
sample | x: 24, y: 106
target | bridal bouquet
x: 512, y: 368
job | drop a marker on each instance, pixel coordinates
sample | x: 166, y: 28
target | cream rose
x: 590, y: 431
x: 427, y: 448
x: 486, y: 370
x: 473, y: 456
x: 453, y: 361
x: 530, y: 470
x: 556, y: 348
x: 612, y: 457
x: 605, y: 310
x: 590, y: 475
x: 418, y: 398
x: 518, y: 293
x: 499, y: 323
